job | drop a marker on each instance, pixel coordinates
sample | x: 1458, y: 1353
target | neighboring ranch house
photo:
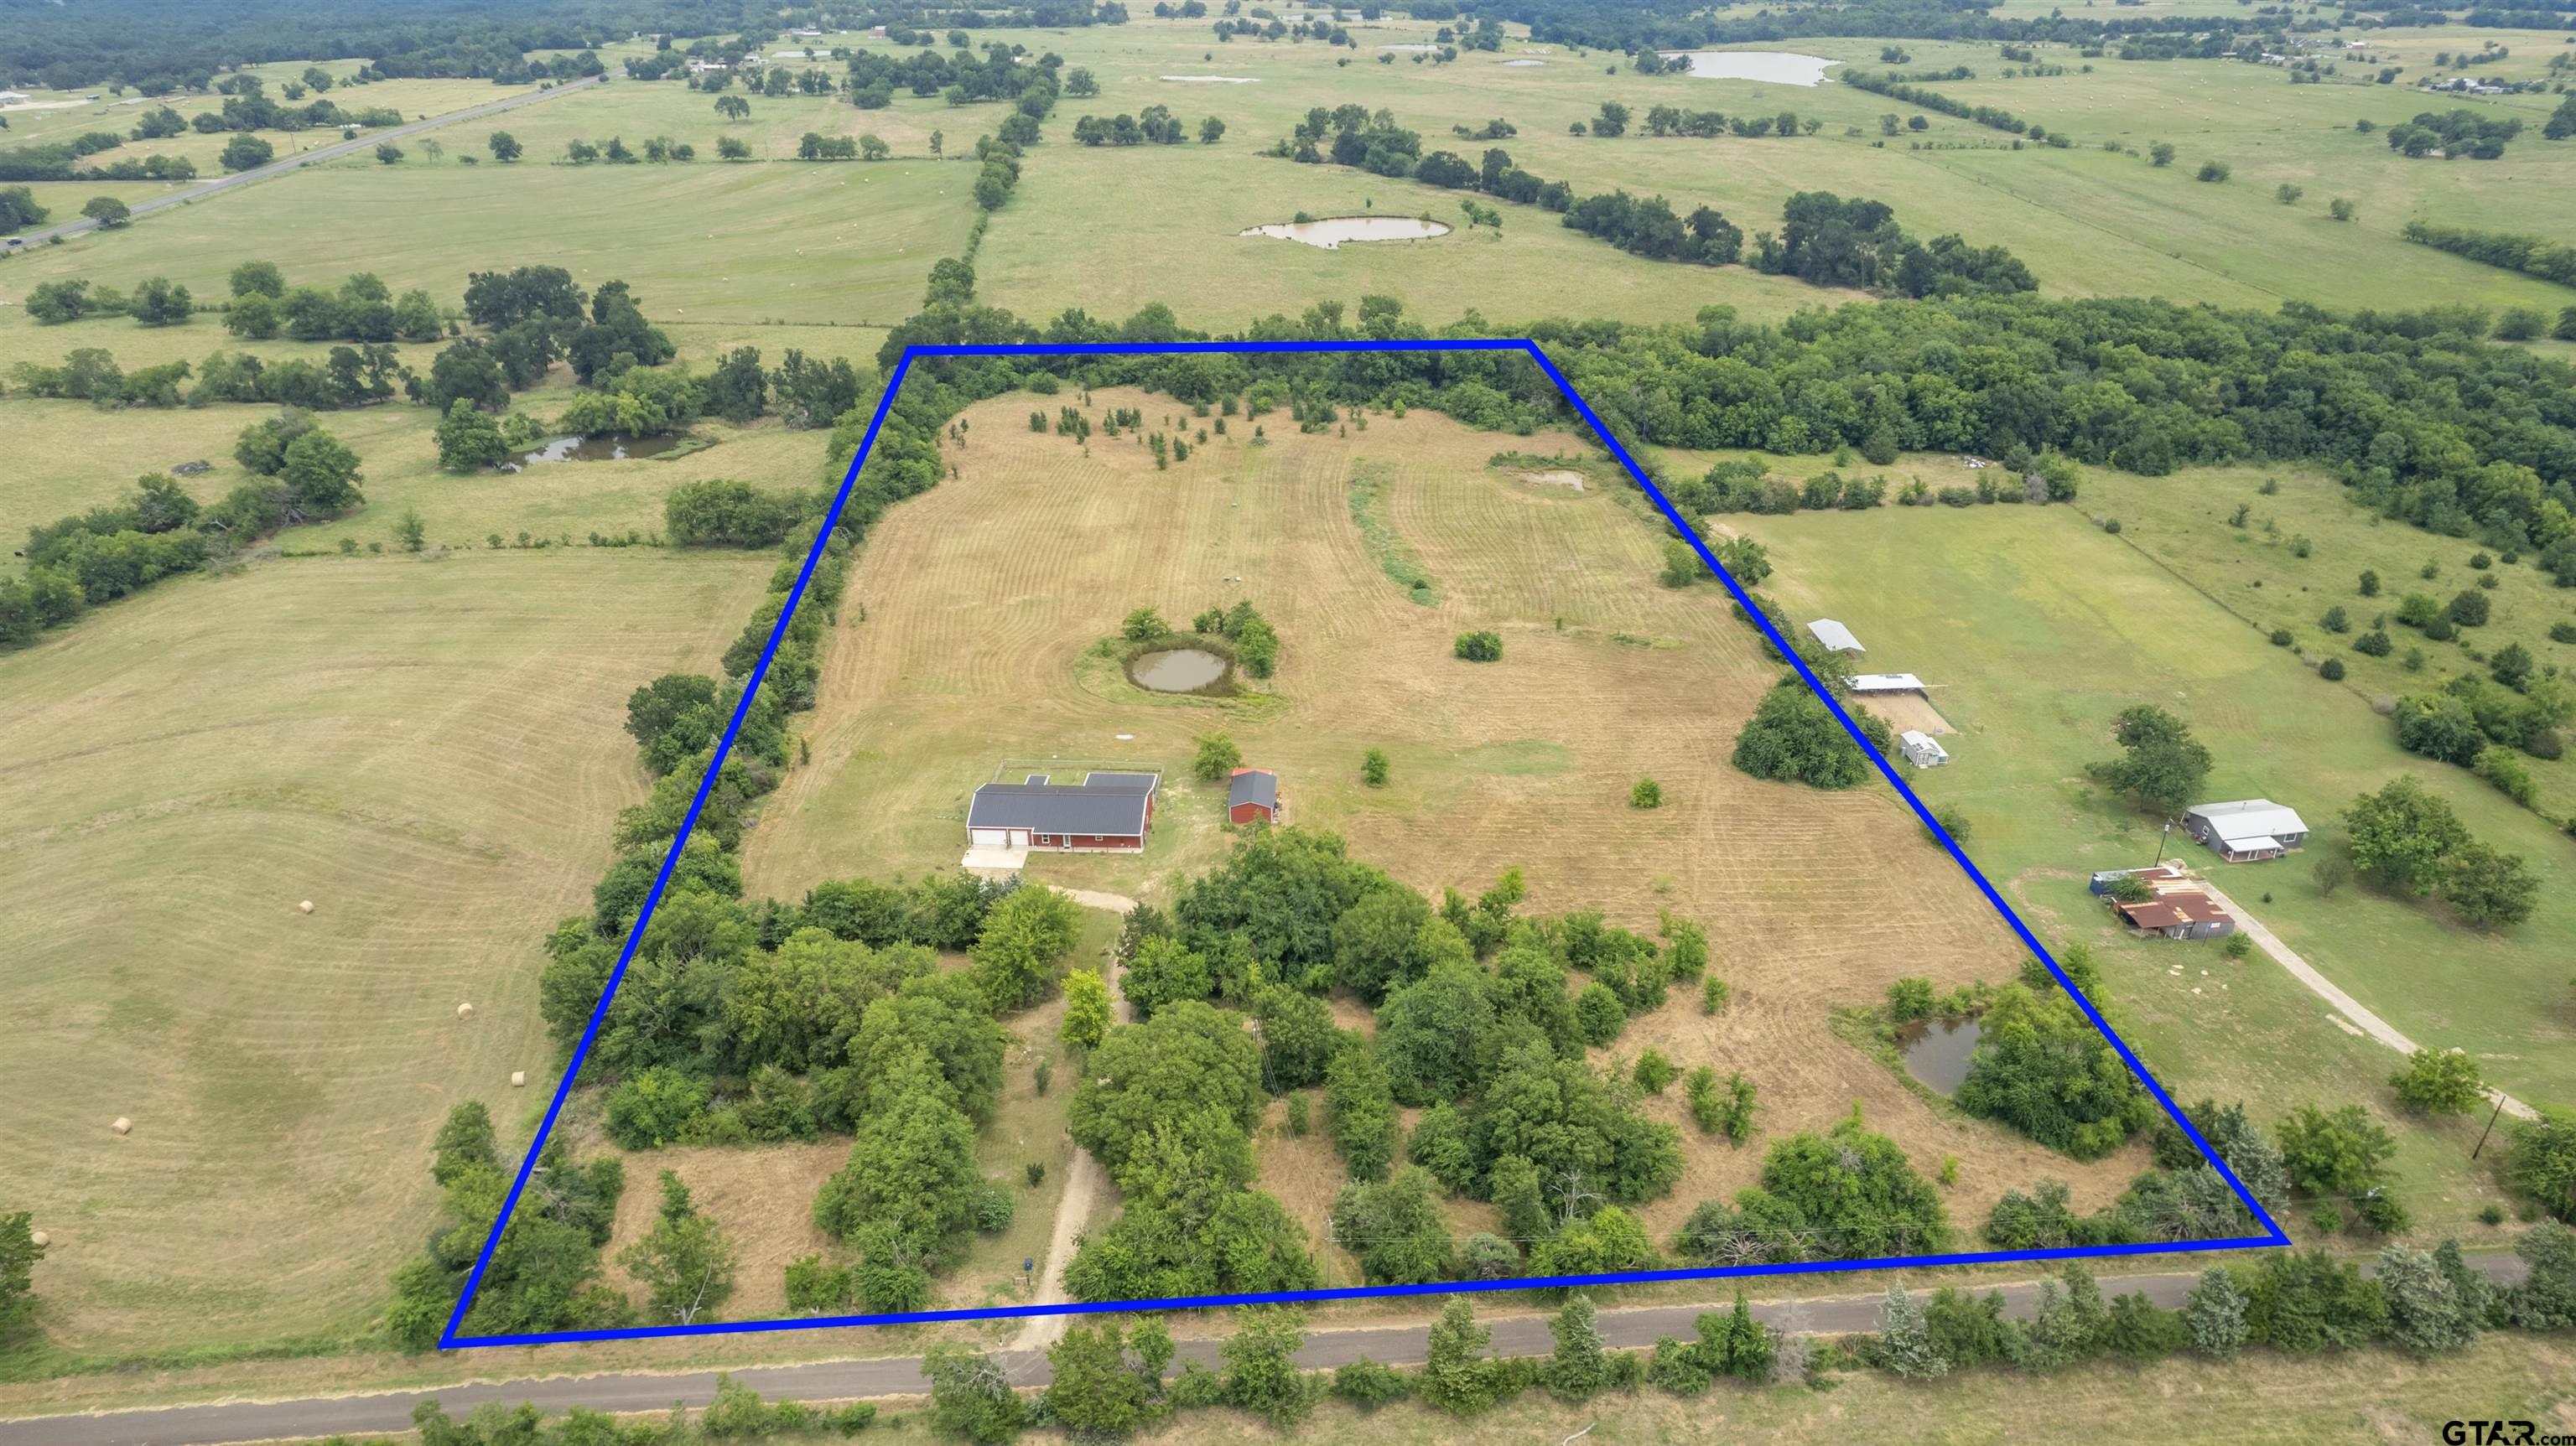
x: 1105, y: 813
x: 1921, y: 750
x: 1835, y: 636
x: 1253, y: 797
x: 2178, y: 914
x: 2246, y: 830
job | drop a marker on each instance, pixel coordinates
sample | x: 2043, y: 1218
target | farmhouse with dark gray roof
x: 1105, y: 813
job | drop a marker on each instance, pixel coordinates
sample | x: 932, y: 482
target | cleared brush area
x: 431, y: 753
x: 971, y: 620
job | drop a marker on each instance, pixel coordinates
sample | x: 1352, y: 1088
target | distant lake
x: 1778, y: 66
x: 1332, y: 231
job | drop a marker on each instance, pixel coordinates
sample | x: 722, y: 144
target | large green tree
x: 1025, y: 937
x: 468, y: 438
x: 1190, y: 1073
x: 2161, y: 765
x: 2402, y: 834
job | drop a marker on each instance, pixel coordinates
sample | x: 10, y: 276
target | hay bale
x: 465, y: 1011
x: 122, y: 1125
x: 40, y: 1239
x: 305, y: 908
x: 518, y: 1078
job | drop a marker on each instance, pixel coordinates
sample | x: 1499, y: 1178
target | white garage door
x: 986, y: 837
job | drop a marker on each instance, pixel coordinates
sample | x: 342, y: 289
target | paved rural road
x: 301, y: 159
x: 846, y: 1380
x: 2326, y: 989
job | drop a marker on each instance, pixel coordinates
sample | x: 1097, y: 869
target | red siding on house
x: 1088, y: 841
x: 1247, y: 812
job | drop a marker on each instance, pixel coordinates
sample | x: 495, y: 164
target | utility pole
x: 2490, y: 1129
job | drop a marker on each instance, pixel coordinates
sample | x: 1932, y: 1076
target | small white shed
x: 1921, y: 749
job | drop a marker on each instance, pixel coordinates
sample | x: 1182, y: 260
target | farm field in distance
x: 427, y: 751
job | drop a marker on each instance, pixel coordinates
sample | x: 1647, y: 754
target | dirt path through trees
x: 1082, y: 1179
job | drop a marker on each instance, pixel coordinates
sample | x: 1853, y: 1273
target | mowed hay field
x: 966, y: 646
x: 432, y: 753
x: 697, y: 243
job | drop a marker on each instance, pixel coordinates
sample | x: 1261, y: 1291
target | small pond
x: 1332, y: 231
x: 601, y: 449
x: 1178, y: 670
x: 1937, y: 1050
x: 1778, y: 66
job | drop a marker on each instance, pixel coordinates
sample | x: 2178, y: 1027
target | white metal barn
x: 1835, y: 636
x: 1886, y: 683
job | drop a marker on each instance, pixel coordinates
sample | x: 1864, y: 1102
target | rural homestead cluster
x: 2162, y: 900
x: 1106, y: 812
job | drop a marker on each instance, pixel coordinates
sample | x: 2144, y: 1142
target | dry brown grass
x: 967, y: 626
x: 764, y: 1197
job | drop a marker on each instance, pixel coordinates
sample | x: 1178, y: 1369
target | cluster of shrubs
x: 302, y: 474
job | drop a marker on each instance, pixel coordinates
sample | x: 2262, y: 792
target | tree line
x: 129, y: 43
x: 1668, y: 120
x: 1156, y: 125
x: 770, y: 998
x: 1896, y: 88
x: 2530, y: 255
x: 1825, y: 240
x: 1110, y: 1379
x: 2138, y: 384
x: 301, y: 474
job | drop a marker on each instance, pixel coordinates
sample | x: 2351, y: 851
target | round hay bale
x: 122, y: 1125
x: 518, y: 1078
x: 40, y: 1239
x: 465, y: 1011
x: 305, y: 908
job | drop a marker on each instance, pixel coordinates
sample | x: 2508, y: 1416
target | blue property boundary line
x: 452, y: 1339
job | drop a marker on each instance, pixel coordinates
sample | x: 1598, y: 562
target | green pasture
x: 2034, y: 628
x: 634, y: 110
x: 697, y: 243
x: 2182, y: 522
x: 2087, y: 220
